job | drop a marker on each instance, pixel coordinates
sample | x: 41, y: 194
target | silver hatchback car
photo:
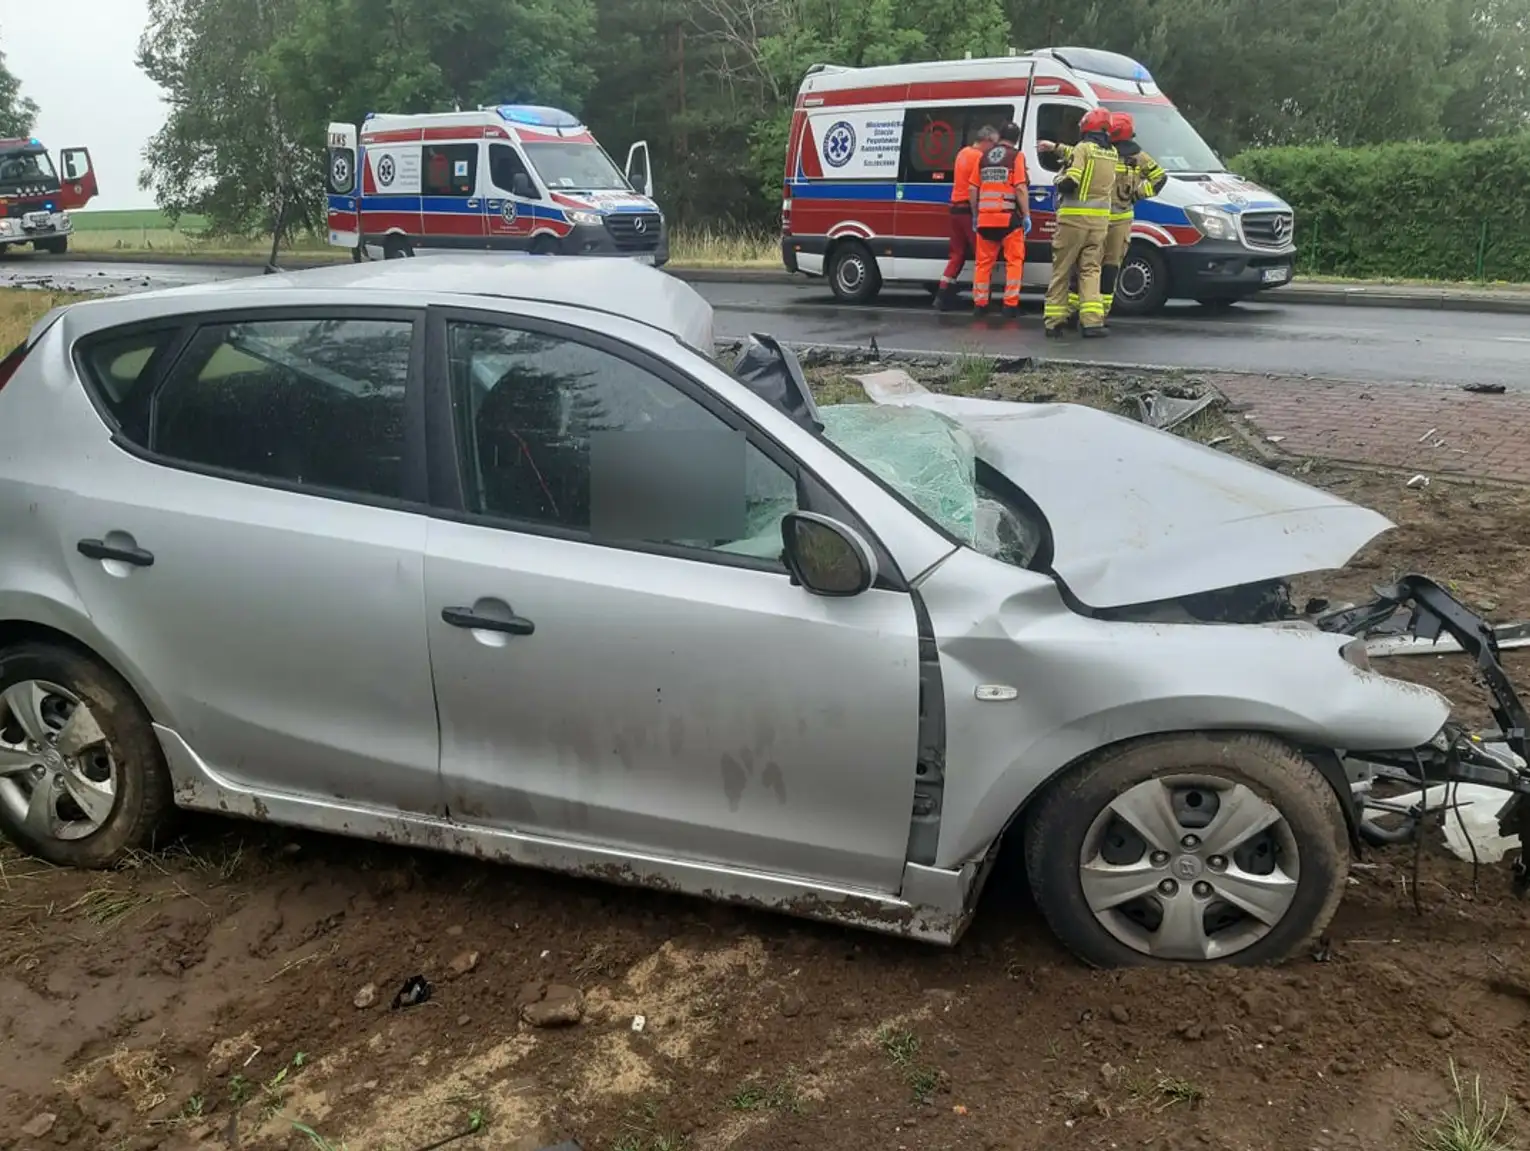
x: 495, y: 557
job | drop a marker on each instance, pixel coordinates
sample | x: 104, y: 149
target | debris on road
x: 1419, y: 481
x: 416, y: 990
x: 365, y: 997
x: 1509, y: 636
x: 553, y: 1005
x: 1166, y: 408
x: 1484, y: 389
x: 463, y: 964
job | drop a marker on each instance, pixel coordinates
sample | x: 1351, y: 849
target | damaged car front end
x: 1188, y: 755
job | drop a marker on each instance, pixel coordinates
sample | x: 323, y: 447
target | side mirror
x: 825, y: 556
x: 639, y: 169
x: 521, y: 185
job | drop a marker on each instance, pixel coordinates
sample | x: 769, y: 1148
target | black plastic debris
x: 1484, y: 389
x: 415, y: 991
x: 771, y: 371
x: 1164, y: 410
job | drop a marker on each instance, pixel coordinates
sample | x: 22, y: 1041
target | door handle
x: 101, y: 550
x: 466, y: 617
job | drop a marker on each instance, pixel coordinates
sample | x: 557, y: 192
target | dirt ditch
x: 236, y: 990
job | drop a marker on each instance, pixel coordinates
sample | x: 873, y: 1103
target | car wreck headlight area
x: 1417, y: 610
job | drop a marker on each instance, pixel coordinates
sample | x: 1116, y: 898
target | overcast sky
x: 75, y: 60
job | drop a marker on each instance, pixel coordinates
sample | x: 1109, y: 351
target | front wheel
x: 1189, y: 849
x: 853, y: 273
x: 1142, y: 284
x: 54, y: 245
x: 82, y: 778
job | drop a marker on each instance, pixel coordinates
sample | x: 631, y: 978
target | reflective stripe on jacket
x: 1092, y: 173
x: 1002, y: 171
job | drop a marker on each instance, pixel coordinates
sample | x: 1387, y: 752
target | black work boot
x: 1056, y: 332
x: 1096, y: 332
x: 1071, y: 323
x: 945, y: 299
x: 1011, y: 311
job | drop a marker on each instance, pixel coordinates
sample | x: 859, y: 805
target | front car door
x: 680, y: 699
x: 512, y: 201
x: 256, y: 545
x: 1052, y: 118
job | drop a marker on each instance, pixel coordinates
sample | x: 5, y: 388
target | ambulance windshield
x: 577, y: 167
x: 1168, y: 137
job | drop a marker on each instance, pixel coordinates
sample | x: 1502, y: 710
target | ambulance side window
x: 1058, y: 123
x: 933, y: 136
x: 509, y: 173
x: 451, y: 169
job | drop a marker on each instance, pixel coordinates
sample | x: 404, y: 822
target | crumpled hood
x: 1138, y: 515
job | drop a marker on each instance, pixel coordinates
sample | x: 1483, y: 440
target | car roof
x: 598, y: 284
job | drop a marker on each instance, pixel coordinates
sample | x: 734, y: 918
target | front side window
x: 505, y: 164
x: 314, y: 402
x: 566, y: 436
x: 450, y: 169
x: 577, y: 167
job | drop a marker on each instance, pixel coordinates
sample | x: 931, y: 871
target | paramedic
x: 1001, y: 205
x: 1083, y: 219
x: 961, y: 215
x: 1138, y: 177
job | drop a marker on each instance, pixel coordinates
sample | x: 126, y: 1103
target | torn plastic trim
x: 1454, y: 755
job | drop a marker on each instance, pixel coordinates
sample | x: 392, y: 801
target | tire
x: 140, y: 808
x: 545, y: 246
x: 397, y: 248
x: 1142, y: 284
x: 853, y: 274
x: 1075, y: 821
x: 57, y: 246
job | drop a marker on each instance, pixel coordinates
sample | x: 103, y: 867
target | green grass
x: 1469, y: 1125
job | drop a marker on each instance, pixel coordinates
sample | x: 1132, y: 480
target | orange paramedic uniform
x: 1002, y: 173
x: 959, y: 250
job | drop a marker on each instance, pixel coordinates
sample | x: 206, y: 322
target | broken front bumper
x: 1426, y: 611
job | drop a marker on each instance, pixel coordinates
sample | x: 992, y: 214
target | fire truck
x: 36, y: 198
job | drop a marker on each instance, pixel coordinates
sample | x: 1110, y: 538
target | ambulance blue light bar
x: 537, y: 117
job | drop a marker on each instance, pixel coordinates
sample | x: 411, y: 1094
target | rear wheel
x: 853, y: 273
x: 397, y: 248
x: 54, y: 246
x: 1189, y: 849
x: 1142, y: 284
x: 82, y: 778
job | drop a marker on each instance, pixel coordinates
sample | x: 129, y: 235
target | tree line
x: 252, y: 83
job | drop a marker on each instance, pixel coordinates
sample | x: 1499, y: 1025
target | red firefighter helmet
x: 1095, y: 120
x: 1121, y: 127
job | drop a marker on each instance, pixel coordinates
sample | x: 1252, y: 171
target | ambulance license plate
x: 1276, y: 275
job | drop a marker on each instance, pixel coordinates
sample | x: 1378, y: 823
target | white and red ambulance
x: 869, y: 163
x: 36, y: 199
x: 513, y: 177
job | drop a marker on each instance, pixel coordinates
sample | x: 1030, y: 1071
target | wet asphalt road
x: 1369, y: 343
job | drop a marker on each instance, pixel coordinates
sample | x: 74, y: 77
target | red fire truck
x: 36, y: 199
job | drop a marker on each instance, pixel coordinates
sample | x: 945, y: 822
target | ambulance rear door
x: 340, y: 184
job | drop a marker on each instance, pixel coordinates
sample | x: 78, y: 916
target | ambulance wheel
x: 397, y: 248
x: 853, y: 274
x: 545, y: 246
x: 1142, y: 286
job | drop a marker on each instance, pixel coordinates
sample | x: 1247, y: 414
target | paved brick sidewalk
x: 1484, y: 436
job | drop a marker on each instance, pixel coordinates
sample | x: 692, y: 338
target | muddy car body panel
x: 417, y: 670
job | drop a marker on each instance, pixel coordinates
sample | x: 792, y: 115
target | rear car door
x: 256, y: 546
x: 681, y: 700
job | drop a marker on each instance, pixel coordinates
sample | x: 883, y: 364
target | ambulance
x: 36, y: 198
x: 512, y: 178
x: 868, y: 178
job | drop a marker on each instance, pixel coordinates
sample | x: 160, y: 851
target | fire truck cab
x: 35, y: 199
x: 512, y: 177
x: 869, y: 166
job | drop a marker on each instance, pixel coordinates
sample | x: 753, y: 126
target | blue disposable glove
x: 1025, y: 225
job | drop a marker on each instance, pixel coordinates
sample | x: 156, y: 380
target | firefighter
x: 1083, y: 219
x: 1138, y: 177
x: 962, y: 224
x: 1001, y: 206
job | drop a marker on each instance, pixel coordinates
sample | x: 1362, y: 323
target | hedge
x: 1426, y: 211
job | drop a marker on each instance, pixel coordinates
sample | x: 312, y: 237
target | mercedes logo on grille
x: 1282, y: 227
x: 640, y: 225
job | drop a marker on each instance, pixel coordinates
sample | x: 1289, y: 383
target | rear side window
x: 933, y: 136
x: 313, y: 402
x: 120, y: 369
x: 451, y: 169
